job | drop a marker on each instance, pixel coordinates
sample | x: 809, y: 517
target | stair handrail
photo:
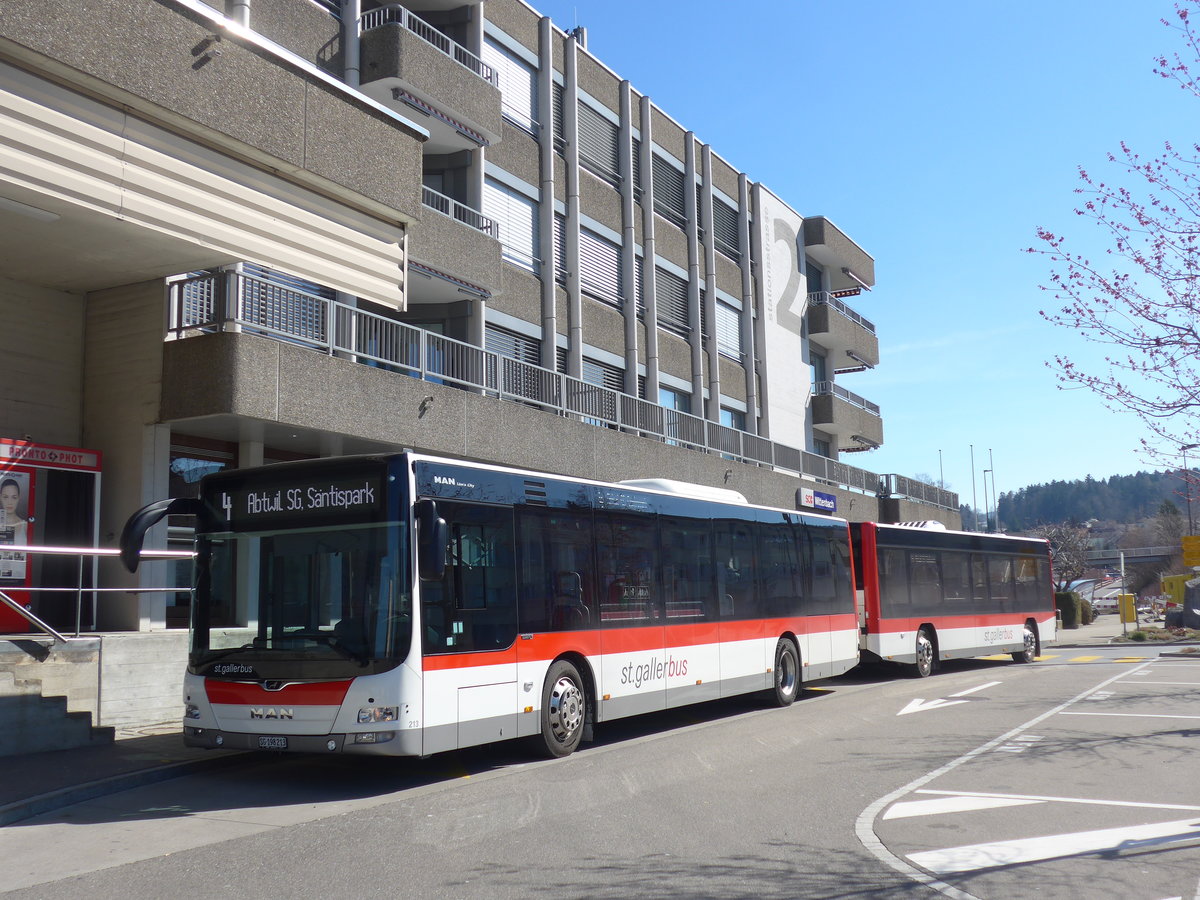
x: 82, y: 553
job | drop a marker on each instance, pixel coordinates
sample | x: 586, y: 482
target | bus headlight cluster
x: 378, y: 714
x: 191, y: 711
x: 374, y: 737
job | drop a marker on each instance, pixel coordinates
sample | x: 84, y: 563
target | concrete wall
x: 41, y: 343
x: 142, y: 678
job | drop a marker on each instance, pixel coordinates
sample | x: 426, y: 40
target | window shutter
x: 512, y: 344
x: 516, y: 217
x: 600, y: 267
x: 598, y: 142
x: 668, y: 190
x: 671, y: 294
x: 518, y: 84
x: 729, y: 330
x: 725, y: 229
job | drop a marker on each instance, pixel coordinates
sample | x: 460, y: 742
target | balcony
x: 410, y: 66
x: 849, y: 338
x: 232, y: 301
x: 854, y: 420
x: 455, y: 241
x: 849, y: 266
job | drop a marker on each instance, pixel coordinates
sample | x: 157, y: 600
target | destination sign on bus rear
x: 249, y: 507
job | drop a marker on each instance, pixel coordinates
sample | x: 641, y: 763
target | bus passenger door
x: 744, y: 656
x: 468, y: 632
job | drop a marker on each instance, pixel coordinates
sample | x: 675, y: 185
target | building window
x: 513, y: 345
x: 668, y: 191
x: 677, y: 400
x: 725, y: 229
x: 516, y: 217
x: 822, y: 448
x: 600, y: 269
x: 820, y: 367
x: 729, y: 330
x: 671, y: 293
x: 598, y: 144
x: 518, y: 85
x: 733, y: 418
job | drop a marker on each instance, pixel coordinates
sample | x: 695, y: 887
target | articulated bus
x: 928, y: 594
x: 403, y: 604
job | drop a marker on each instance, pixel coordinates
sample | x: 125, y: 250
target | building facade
x: 278, y: 229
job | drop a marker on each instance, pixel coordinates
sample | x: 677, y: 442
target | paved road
x: 828, y: 799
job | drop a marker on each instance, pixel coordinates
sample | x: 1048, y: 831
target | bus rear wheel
x: 564, y: 710
x: 787, y: 673
x: 925, y: 655
x: 1028, y: 653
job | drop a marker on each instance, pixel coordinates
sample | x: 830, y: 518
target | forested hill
x: 1121, y: 498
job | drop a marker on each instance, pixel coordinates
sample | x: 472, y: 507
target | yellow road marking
x: 1132, y: 659
x: 1084, y: 658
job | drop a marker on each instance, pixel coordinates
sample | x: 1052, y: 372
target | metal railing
x: 395, y: 14
x: 233, y: 301
x: 448, y: 206
x: 829, y: 388
x: 80, y: 589
x: 819, y: 298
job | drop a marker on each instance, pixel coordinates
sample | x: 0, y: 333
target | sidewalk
x: 40, y: 782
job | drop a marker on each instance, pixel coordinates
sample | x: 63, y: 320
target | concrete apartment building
x: 275, y: 229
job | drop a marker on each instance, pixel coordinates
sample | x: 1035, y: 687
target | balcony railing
x: 234, y: 301
x: 836, y: 390
x: 816, y: 298
x: 394, y: 14
x: 455, y: 210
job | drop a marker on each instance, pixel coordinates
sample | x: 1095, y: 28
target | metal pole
x: 1187, y: 487
x: 974, y: 501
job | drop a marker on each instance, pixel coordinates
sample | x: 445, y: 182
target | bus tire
x: 1028, y: 653
x: 926, y: 655
x: 787, y: 672
x: 564, y: 710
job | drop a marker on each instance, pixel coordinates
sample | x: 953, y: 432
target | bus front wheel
x: 925, y: 655
x: 564, y: 709
x: 787, y: 672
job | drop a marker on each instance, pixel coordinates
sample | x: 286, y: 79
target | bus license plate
x: 272, y: 743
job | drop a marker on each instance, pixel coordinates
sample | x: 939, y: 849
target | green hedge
x: 1068, y: 603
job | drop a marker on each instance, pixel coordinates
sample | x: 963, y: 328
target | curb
x: 52, y: 800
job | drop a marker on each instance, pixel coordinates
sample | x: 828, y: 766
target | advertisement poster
x: 16, y: 525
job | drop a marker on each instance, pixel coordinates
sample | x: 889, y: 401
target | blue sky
x: 938, y: 135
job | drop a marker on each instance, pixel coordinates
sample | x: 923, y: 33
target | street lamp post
x: 987, y: 509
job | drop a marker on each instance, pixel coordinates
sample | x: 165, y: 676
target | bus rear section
x: 929, y: 594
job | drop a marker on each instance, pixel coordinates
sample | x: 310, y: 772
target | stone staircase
x: 49, y: 696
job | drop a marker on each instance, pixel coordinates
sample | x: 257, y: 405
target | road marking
x: 1084, y: 658
x: 974, y: 689
x: 943, y: 805
x: 1041, y: 798
x: 973, y: 857
x: 921, y: 705
x: 1132, y: 659
x: 1129, y: 715
x: 864, y: 825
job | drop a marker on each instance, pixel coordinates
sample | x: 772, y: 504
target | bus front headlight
x: 370, y: 714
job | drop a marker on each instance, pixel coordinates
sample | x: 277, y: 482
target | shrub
x: 1068, y: 603
x: 1138, y: 636
x: 1087, y: 615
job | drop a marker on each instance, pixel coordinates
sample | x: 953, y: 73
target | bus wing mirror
x: 432, y: 534
x: 134, y: 532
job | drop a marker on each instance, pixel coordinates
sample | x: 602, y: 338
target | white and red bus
x: 928, y: 594
x: 404, y: 604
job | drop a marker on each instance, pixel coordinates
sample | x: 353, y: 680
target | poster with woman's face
x: 14, y: 524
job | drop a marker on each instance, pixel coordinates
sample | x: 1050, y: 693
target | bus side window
x: 626, y: 579
x: 893, y: 582
x: 555, y: 584
x: 687, y: 568
x: 735, y: 564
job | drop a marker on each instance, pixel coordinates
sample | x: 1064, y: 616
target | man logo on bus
x: 270, y: 712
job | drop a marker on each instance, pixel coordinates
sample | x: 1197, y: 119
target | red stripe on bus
x: 242, y: 693
x: 636, y: 640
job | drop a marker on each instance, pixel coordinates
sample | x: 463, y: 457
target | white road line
x: 972, y: 857
x: 1038, y: 798
x: 944, y: 805
x: 1177, y: 683
x: 1129, y: 715
x: 974, y: 689
x: 864, y: 826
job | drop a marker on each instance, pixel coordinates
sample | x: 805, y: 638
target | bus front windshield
x: 318, y: 603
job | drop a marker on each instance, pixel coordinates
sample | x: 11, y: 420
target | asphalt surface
x: 35, y: 783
